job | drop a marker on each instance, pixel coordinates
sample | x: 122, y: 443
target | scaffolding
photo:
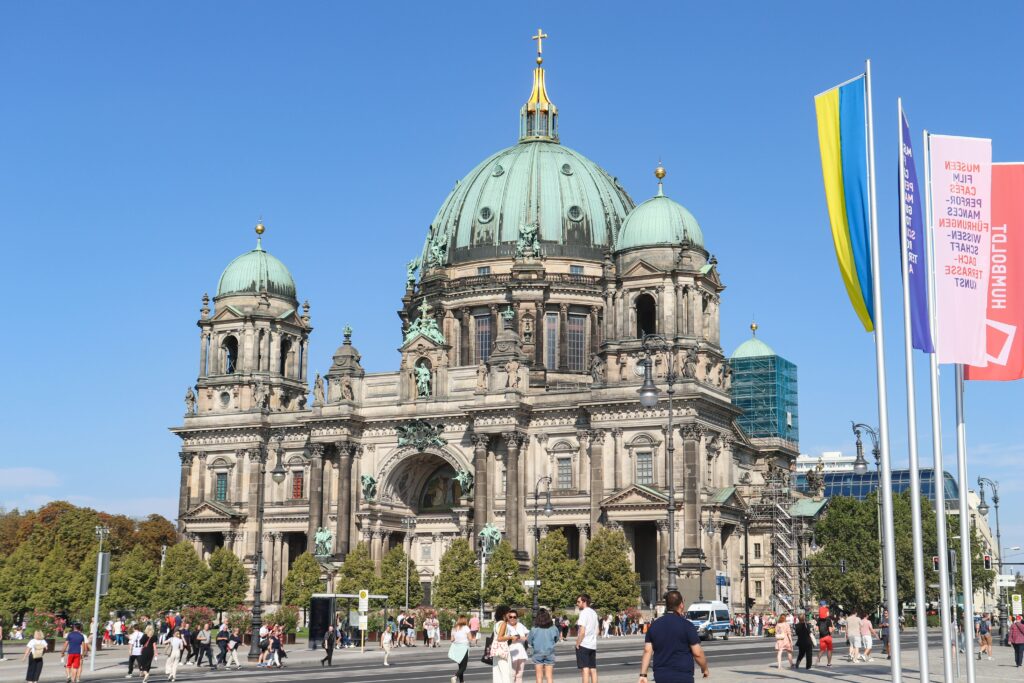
x: 765, y: 389
x: 770, y: 513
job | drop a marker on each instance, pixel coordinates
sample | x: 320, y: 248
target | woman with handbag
x: 34, y: 652
x: 458, y: 651
x: 498, y: 647
x: 147, y: 652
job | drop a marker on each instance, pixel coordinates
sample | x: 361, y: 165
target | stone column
x: 275, y: 565
x: 201, y: 476
x: 513, y: 497
x: 254, y: 486
x: 715, y: 324
x: 617, y: 459
x: 609, y: 315
x: 584, y: 533
x: 204, y: 345
x: 691, y: 503
x: 596, y: 477
x: 563, y: 336
x: 595, y: 332
x: 696, y: 312
x: 183, y: 486
x: 341, y: 535
x: 662, y: 525
x: 464, y: 357
x: 273, y: 359
x: 582, y: 458
x: 305, y: 359
x: 538, y: 334
x: 316, y: 496
x: 480, y: 494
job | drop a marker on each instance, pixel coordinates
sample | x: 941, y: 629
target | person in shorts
x: 853, y: 635
x: 587, y: 627
x: 75, y: 645
x: 826, y: 628
x: 541, y: 641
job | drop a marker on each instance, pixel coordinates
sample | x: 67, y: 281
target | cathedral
x: 522, y: 352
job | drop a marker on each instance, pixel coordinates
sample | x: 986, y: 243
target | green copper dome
x: 576, y: 206
x: 659, y: 221
x: 254, y: 272
x: 753, y: 347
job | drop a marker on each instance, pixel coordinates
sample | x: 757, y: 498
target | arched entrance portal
x: 423, y: 482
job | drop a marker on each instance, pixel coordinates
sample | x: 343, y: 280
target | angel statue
x: 190, y: 402
x: 369, y: 483
x: 528, y: 244
x: 422, y: 374
x: 323, y: 542
x: 490, y: 537
x: 410, y: 270
x: 465, y: 481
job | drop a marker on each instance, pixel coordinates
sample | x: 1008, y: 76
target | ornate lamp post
x: 860, y: 466
x: 277, y: 474
x: 548, y: 511
x: 409, y: 523
x: 983, y: 509
x: 649, y: 397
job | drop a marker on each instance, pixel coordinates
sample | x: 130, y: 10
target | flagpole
x: 885, y: 465
x: 915, y: 475
x: 965, y: 526
x: 939, y: 473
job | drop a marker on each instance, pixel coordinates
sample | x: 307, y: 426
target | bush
x: 241, y: 618
x: 41, y: 621
x: 287, y: 617
x: 446, y: 619
x: 197, y: 615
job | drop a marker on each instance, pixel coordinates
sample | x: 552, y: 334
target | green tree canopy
x: 183, y: 580
x: 357, y: 571
x: 558, y: 573
x: 607, y: 574
x: 503, y: 584
x: 458, y: 583
x: 52, y: 584
x: 132, y: 581
x: 393, y: 575
x: 302, y: 581
x: 228, y: 581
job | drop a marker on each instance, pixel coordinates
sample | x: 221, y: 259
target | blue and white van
x: 711, y: 618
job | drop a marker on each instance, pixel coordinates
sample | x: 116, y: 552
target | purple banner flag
x: 917, y: 263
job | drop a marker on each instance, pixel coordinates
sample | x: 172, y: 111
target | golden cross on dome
x: 540, y: 43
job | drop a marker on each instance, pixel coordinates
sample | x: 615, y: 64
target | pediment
x: 641, y: 268
x: 209, y: 511
x: 421, y: 343
x: 228, y: 312
x: 710, y: 273
x: 726, y: 497
x: 635, y: 495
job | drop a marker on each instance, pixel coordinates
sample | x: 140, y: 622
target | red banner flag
x: 1005, y: 327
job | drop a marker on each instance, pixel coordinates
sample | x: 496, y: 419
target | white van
x: 710, y: 617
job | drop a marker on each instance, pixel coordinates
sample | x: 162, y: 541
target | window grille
x: 483, y: 337
x: 577, y: 342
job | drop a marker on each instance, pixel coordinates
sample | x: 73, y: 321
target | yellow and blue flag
x: 842, y: 137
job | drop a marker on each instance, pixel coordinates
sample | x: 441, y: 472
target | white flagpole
x: 965, y: 526
x: 885, y: 485
x: 939, y: 473
x: 915, y: 475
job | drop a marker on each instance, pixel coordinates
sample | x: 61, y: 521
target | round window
x: 486, y: 214
x: 225, y: 398
x: 566, y: 169
x: 498, y: 170
x: 575, y: 213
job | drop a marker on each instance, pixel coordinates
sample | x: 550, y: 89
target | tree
x: 132, y: 582
x: 357, y: 571
x: 848, y: 538
x: 607, y: 574
x: 558, y: 573
x: 458, y: 583
x: 15, y: 582
x: 392, y: 578
x: 302, y: 581
x: 183, y: 580
x: 228, y: 581
x: 503, y: 585
x: 154, y: 533
x: 52, y: 585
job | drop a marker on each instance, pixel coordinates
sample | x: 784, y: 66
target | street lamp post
x: 983, y: 509
x: 409, y: 523
x: 860, y: 466
x: 278, y: 475
x: 548, y: 511
x: 101, y: 533
x: 649, y: 397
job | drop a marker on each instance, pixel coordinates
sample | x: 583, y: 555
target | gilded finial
x: 753, y: 329
x: 540, y: 45
x: 260, y: 228
x: 660, y: 173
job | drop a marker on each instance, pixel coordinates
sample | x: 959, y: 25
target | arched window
x: 259, y: 351
x: 286, y: 348
x: 230, y: 350
x: 646, y: 315
x: 442, y: 492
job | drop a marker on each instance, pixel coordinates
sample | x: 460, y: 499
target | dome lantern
x: 538, y: 119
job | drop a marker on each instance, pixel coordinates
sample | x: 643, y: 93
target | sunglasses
x: 512, y: 616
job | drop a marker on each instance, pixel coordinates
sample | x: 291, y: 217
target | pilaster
x: 316, y: 499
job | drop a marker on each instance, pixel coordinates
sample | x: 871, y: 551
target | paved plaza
x: 738, y: 659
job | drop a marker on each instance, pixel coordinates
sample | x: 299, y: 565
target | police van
x: 711, y: 618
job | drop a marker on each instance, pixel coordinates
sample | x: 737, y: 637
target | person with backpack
x: 1017, y: 640
x: 34, y: 652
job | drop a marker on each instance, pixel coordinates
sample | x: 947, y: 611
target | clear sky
x: 141, y: 141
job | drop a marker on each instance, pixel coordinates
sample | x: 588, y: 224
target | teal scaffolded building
x: 764, y: 387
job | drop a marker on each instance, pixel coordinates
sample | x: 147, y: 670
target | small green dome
x: 753, y: 347
x: 659, y: 221
x: 254, y: 272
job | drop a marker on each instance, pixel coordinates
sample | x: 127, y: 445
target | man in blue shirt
x: 672, y: 642
x: 75, y: 645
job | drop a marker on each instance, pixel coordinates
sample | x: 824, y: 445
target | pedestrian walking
x: 387, y: 641
x: 673, y: 645
x: 586, y: 639
x: 458, y: 651
x: 147, y: 652
x: 826, y: 629
x: 134, y: 649
x: 330, y: 640
x: 433, y: 628
x: 985, y: 636
x: 234, y: 643
x: 223, y: 636
x: 853, y: 635
x: 175, y: 647
x: 542, y: 639
x: 474, y: 627
x: 867, y: 633
x: 34, y: 652
x: 517, y: 635
x: 804, y: 641
x: 204, y: 646
x: 75, y: 645
x: 501, y: 671
x: 783, y: 641
x: 1017, y: 640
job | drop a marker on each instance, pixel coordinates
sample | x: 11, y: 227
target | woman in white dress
x: 387, y: 641
x: 516, y: 645
x: 174, y: 647
x: 501, y: 666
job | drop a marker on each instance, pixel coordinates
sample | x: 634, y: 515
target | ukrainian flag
x: 842, y: 137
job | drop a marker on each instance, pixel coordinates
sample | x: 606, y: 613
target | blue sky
x: 141, y: 141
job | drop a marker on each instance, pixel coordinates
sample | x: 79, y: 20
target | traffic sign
x: 364, y: 600
x: 364, y: 624
x: 1006, y: 580
x: 1017, y: 607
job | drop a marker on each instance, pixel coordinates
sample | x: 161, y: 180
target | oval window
x: 485, y: 214
x: 566, y: 169
x: 575, y: 213
x: 225, y: 398
x: 498, y: 170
